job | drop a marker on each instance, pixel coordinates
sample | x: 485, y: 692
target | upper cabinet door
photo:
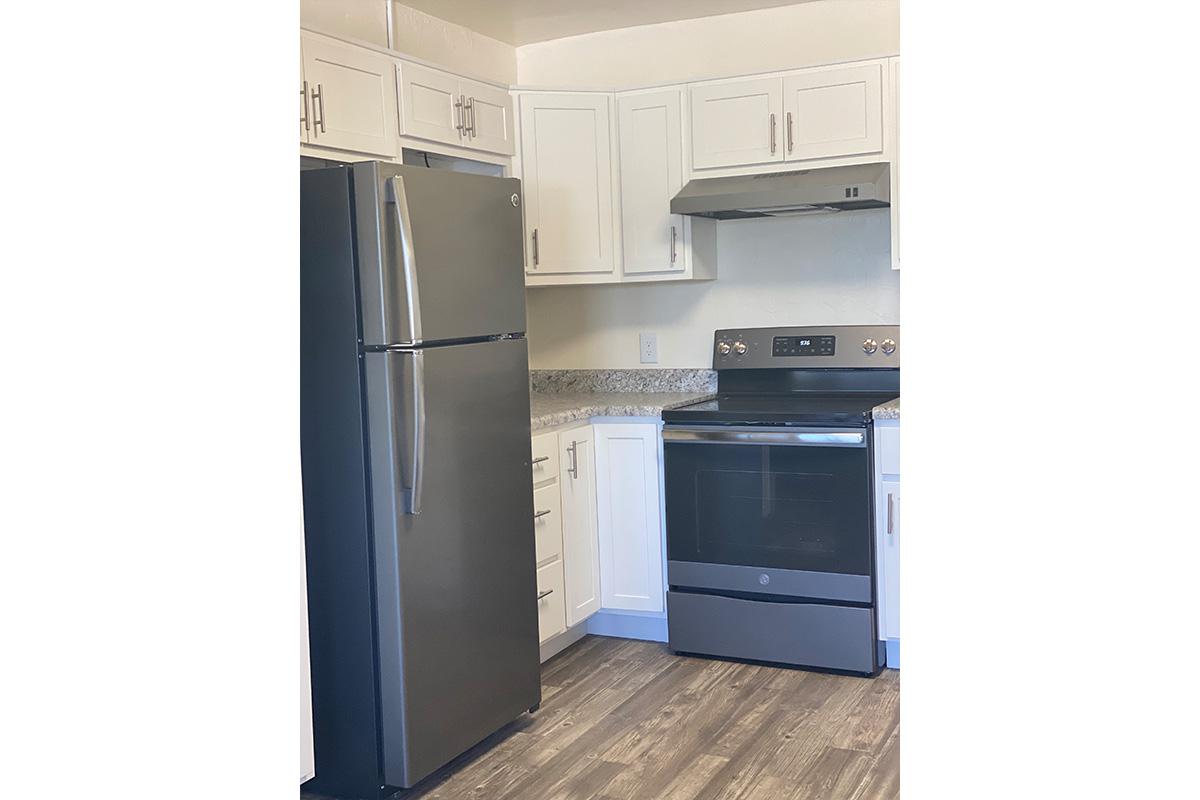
x: 352, y: 97
x: 489, y: 118
x: 737, y: 122
x: 430, y: 104
x: 568, y: 182
x: 833, y: 112
x: 651, y: 148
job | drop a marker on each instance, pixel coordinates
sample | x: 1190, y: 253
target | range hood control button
x: 723, y: 348
x: 739, y: 348
x: 869, y: 346
x: 888, y: 347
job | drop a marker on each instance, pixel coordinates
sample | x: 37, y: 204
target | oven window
x: 804, y: 508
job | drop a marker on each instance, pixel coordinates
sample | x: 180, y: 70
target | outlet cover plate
x: 648, y: 347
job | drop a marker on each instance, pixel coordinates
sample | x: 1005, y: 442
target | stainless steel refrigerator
x: 418, y: 503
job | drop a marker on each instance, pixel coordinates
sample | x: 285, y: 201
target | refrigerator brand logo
x: 764, y: 579
x: 516, y: 201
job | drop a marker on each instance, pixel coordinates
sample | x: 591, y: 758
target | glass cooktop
x: 780, y: 409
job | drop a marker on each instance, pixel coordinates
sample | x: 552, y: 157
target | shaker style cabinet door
x: 737, y: 122
x: 629, y: 516
x: 489, y: 118
x: 581, y: 565
x: 568, y: 183
x: 352, y: 97
x: 430, y: 104
x: 835, y: 112
x: 651, y: 147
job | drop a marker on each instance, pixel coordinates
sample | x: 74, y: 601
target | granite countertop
x: 565, y: 395
x: 888, y: 410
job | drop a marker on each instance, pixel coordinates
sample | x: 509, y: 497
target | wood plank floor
x: 627, y: 720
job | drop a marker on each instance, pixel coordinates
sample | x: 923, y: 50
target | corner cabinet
x: 580, y: 556
x: 348, y: 97
x: 566, y: 162
x: 887, y: 535
x: 629, y: 516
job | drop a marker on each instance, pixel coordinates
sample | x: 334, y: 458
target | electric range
x: 770, y: 498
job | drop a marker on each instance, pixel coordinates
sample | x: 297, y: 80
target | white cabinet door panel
x: 429, y: 103
x: 833, y: 112
x: 651, y: 147
x: 629, y: 518
x: 891, y: 559
x: 354, y: 107
x: 737, y: 122
x: 581, y: 566
x: 490, y: 117
x: 565, y: 153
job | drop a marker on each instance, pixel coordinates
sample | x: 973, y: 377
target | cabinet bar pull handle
x: 470, y: 106
x: 891, y: 528
x: 318, y: 97
x: 544, y: 593
x: 304, y: 97
x: 574, y: 468
x: 540, y: 459
x: 772, y: 133
x: 540, y: 514
x: 789, y: 131
x: 673, y: 244
x: 535, y: 247
x: 458, y: 115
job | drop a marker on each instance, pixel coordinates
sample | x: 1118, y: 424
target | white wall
x: 818, y: 32
x: 823, y: 270
x: 416, y: 34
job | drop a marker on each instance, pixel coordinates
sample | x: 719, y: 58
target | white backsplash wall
x: 822, y: 270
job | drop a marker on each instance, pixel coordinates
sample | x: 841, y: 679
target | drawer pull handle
x: 540, y: 514
x: 540, y: 459
x: 543, y: 593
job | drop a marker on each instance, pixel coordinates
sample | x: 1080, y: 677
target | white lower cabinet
x: 887, y: 529
x: 629, y: 517
x: 581, y: 564
x: 552, y: 619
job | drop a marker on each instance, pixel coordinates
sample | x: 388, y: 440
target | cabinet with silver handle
x: 348, y: 97
x: 887, y: 539
x: 443, y: 107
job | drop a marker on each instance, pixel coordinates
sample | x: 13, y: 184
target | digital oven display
x: 803, y: 345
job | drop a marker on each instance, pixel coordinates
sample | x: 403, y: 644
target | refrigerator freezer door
x: 455, y: 582
x: 439, y: 254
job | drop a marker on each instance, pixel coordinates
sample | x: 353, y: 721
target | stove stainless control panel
x: 833, y: 346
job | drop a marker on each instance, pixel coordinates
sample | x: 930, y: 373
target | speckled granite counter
x: 889, y: 410
x: 560, y: 396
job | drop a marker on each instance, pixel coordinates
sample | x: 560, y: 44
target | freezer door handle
x: 399, y: 200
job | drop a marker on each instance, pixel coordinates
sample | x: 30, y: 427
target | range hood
x: 785, y: 194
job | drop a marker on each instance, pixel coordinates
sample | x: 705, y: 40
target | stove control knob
x: 723, y: 348
x: 739, y: 348
x: 869, y: 346
x: 888, y: 346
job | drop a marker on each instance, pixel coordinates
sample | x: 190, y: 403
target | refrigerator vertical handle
x: 417, y: 440
x: 399, y: 200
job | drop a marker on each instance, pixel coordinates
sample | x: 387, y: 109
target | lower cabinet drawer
x: 545, y: 456
x: 802, y: 634
x: 552, y: 611
x: 547, y: 522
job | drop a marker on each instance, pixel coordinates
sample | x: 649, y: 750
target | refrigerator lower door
x: 440, y: 254
x: 455, y: 581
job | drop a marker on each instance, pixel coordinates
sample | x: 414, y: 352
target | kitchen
x: 698, y: 254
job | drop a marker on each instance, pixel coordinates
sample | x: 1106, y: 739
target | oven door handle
x: 792, y: 438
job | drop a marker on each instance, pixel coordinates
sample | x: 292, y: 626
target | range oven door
x: 775, y: 511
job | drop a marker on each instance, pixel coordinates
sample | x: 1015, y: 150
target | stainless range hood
x: 785, y: 194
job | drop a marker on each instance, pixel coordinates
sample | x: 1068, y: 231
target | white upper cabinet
x: 351, y: 96
x: 832, y: 112
x: 628, y: 505
x: 650, y: 141
x: 441, y: 107
x: 568, y: 184
x: 489, y: 118
x: 736, y: 122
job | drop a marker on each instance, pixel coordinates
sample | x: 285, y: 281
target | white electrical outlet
x: 648, y: 346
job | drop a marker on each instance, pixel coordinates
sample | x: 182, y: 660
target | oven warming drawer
x: 765, y: 580
x: 799, y: 634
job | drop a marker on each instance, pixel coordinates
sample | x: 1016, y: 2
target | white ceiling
x: 521, y: 22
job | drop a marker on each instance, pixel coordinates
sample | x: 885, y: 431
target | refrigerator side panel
x: 333, y: 463
x: 456, y: 583
x: 442, y: 258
